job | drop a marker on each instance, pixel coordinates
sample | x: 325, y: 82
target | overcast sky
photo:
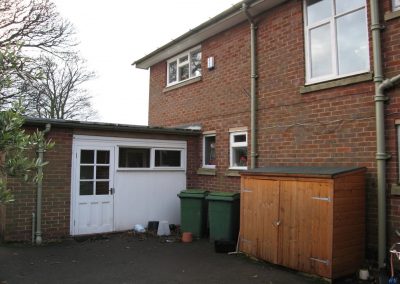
x: 113, y: 34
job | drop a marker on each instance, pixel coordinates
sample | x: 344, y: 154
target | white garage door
x: 117, y: 183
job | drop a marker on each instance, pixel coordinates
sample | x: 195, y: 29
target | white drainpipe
x: 40, y: 152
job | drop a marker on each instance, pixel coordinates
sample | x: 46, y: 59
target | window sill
x: 207, y: 172
x: 181, y: 84
x: 336, y: 83
x: 395, y: 189
x: 392, y: 15
x: 233, y: 173
x: 160, y: 169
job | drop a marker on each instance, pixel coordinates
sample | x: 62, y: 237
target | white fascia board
x: 171, y: 49
x: 93, y: 141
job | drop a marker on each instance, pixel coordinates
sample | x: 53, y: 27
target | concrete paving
x: 125, y: 258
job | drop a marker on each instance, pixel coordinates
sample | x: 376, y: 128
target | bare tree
x: 34, y: 24
x: 26, y: 26
x: 58, y: 93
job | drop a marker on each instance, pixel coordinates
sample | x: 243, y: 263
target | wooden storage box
x: 305, y: 218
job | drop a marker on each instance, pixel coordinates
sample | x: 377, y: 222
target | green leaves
x: 17, y: 150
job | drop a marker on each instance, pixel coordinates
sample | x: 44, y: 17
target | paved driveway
x: 127, y: 259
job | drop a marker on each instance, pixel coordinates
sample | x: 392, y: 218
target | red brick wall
x: 55, y: 199
x: 332, y: 127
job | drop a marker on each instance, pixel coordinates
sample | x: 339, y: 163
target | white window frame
x: 396, y: 5
x: 204, y: 150
x: 152, y: 166
x: 398, y: 147
x: 136, y: 168
x: 335, y: 60
x: 233, y: 144
x: 176, y: 59
x: 153, y: 160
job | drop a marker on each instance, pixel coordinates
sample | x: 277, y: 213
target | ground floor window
x: 398, y: 146
x: 209, y: 151
x: 238, y: 150
x: 131, y: 158
x: 167, y: 158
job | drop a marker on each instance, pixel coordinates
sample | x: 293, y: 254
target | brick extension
x: 16, y: 218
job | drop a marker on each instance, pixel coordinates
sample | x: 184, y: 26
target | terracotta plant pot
x: 187, y: 237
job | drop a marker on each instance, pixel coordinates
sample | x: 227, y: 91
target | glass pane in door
x: 102, y: 188
x: 94, y: 176
x: 103, y: 157
x: 87, y: 156
x: 86, y: 188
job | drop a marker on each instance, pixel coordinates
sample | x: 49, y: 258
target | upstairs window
x: 238, y: 150
x: 396, y: 5
x: 184, y: 66
x: 336, y: 39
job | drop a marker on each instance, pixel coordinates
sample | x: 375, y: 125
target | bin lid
x: 193, y: 193
x: 223, y: 196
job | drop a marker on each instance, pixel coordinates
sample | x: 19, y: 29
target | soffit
x: 219, y: 23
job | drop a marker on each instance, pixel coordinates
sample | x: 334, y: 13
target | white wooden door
x: 94, y: 182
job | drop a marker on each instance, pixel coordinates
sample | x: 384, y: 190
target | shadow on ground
x: 126, y: 258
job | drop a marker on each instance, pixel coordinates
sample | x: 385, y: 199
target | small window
x: 396, y: 5
x: 209, y: 151
x: 167, y: 158
x: 184, y: 66
x: 134, y: 158
x: 238, y: 150
x: 398, y: 148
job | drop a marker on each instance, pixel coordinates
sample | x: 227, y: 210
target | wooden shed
x: 309, y: 219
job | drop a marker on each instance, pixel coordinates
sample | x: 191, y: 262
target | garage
x: 120, y: 182
x: 100, y: 178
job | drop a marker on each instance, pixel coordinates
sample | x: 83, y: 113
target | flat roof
x: 223, y: 21
x: 117, y: 127
x: 303, y: 171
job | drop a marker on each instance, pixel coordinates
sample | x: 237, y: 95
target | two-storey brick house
x: 315, y: 102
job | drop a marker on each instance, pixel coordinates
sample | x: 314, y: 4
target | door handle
x: 277, y: 223
x: 112, y: 190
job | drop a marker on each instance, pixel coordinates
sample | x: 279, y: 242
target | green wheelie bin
x: 194, y: 212
x: 223, y: 215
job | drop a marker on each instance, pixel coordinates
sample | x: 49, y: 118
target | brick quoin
x: 331, y: 127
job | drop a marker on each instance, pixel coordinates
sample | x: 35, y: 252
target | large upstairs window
x: 336, y: 39
x: 183, y: 67
x: 396, y: 5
